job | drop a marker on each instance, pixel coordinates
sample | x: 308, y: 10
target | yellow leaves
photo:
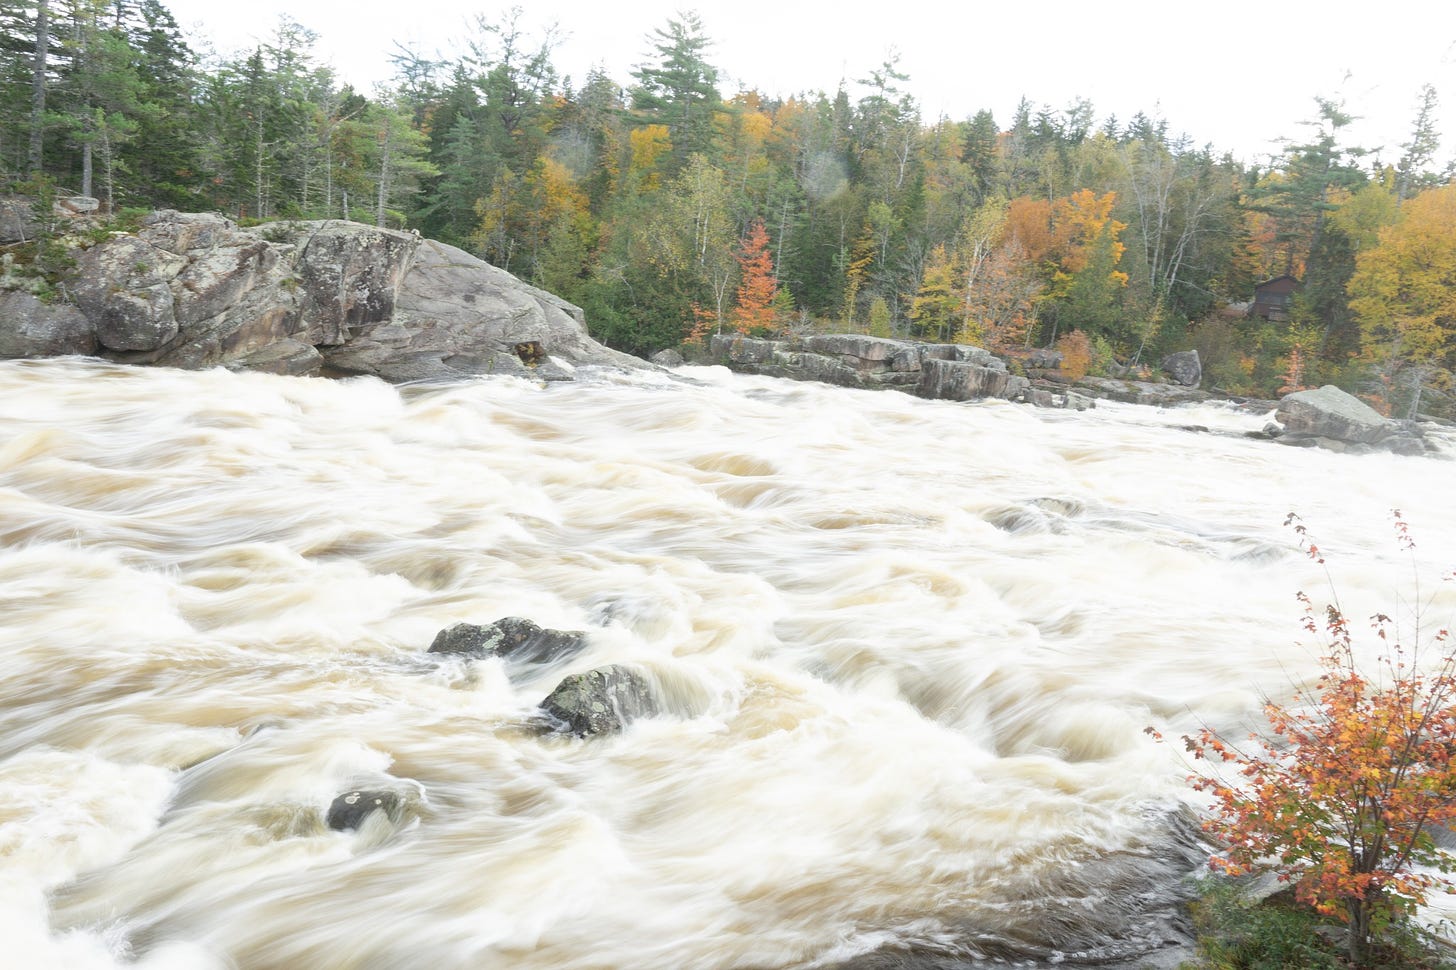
x: 647, y: 145
x: 1401, y: 291
x: 1076, y: 351
x: 1078, y: 221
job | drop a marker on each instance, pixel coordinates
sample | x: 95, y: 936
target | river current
x: 907, y: 650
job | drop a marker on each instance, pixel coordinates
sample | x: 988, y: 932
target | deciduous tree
x: 755, y: 309
x: 1401, y: 291
x: 1341, y: 793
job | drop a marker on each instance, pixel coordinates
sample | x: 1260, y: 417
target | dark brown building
x: 1273, y: 298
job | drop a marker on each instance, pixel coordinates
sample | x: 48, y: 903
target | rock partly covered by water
x: 600, y: 701
x: 196, y: 290
x: 1331, y: 418
x: 510, y: 638
x: 349, y: 810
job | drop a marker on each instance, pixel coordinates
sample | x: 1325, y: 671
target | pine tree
x: 680, y: 90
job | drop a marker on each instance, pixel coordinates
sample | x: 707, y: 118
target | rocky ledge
x: 950, y: 372
x: 196, y: 290
x: 1326, y: 417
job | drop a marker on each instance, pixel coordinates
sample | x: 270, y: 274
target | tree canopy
x: 634, y: 199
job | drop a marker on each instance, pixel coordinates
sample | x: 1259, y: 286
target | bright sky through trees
x: 1238, y: 75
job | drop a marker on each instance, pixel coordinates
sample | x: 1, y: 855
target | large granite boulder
x: 195, y: 290
x: 600, y: 701
x: 863, y: 352
x: 458, y: 316
x: 1184, y: 367
x: 1332, y: 418
x: 511, y: 638
x: 350, y: 277
x: 31, y: 328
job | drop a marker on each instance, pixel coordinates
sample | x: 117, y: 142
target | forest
x: 668, y: 208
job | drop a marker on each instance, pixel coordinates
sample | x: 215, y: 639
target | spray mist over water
x: 906, y: 648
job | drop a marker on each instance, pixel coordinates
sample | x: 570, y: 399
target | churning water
x: 907, y: 649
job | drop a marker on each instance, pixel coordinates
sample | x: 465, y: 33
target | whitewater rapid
x: 907, y: 650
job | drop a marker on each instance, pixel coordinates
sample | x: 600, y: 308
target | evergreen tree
x: 680, y: 90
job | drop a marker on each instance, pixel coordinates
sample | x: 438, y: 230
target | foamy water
x: 908, y: 650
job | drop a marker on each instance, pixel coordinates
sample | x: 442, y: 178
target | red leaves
x: 1339, y: 794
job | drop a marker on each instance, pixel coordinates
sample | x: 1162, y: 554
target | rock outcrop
x: 955, y: 372
x: 195, y: 290
x: 17, y: 220
x: 600, y: 701
x: 511, y: 638
x: 1184, y: 367
x: 1141, y: 392
x: 30, y: 328
x: 1331, y: 418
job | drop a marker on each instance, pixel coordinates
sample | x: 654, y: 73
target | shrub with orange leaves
x: 1076, y: 351
x: 1341, y: 794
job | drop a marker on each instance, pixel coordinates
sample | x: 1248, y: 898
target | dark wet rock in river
x: 349, y: 810
x: 510, y: 638
x: 600, y: 701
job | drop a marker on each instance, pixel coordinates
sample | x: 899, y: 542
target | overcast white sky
x: 1233, y: 73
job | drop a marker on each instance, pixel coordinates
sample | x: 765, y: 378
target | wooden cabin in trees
x: 1273, y: 299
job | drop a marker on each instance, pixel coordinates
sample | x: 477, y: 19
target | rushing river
x: 908, y: 650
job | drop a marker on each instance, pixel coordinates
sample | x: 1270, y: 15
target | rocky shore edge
x: 335, y: 298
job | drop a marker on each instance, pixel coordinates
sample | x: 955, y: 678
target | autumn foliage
x: 755, y: 311
x: 1076, y: 351
x: 1341, y: 793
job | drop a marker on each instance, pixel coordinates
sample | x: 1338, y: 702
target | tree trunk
x: 87, y: 169
x: 38, y: 87
x: 383, y: 179
x: 1358, y: 942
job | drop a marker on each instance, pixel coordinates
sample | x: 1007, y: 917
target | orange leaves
x: 1340, y: 793
x: 1076, y: 350
x: 1062, y: 233
x: 755, y: 311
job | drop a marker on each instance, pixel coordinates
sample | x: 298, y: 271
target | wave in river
x: 907, y: 650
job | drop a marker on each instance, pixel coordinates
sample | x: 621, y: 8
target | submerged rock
x: 349, y: 810
x: 511, y: 638
x: 600, y: 701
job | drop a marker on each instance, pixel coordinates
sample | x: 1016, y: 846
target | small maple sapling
x: 1341, y: 793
